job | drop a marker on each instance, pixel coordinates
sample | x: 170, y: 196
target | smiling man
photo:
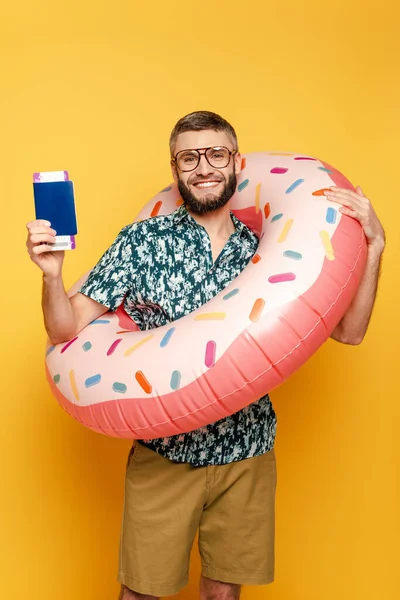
x: 219, y: 480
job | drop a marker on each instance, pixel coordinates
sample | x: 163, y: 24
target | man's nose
x: 204, y: 167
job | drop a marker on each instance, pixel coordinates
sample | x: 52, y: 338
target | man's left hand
x: 357, y: 206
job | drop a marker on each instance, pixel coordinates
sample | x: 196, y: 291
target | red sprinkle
x: 69, y: 343
x: 113, y: 346
x: 280, y: 277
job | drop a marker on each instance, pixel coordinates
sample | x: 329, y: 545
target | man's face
x: 207, y: 188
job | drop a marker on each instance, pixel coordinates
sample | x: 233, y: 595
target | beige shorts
x: 231, y: 506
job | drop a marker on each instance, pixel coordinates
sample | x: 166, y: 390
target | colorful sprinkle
x: 179, y: 202
x: 94, y: 380
x: 320, y: 192
x: 292, y: 254
x: 285, y: 230
x: 86, y: 346
x: 258, y: 192
x: 113, y: 346
x: 331, y: 214
x: 143, y: 382
x: 50, y: 350
x: 242, y: 185
x: 231, y: 294
x: 99, y: 322
x: 156, y: 209
x: 294, y: 186
x: 304, y: 158
x: 73, y: 385
x: 256, y: 258
x: 56, y: 378
x: 209, y: 359
x: 119, y: 387
x: 257, y: 309
x: 137, y: 345
x: 267, y: 210
x: 326, y: 240
x: 214, y: 316
x: 281, y: 277
x: 276, y: 217
x: 165, y: 341
x: 69, y: 344
x: 175, y: 380
x: 243, y: 166
x: 279, y: 170
x: 325, y: 169
x: 167, y: 189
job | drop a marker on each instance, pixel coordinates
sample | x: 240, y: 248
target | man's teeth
x: 207, y: 184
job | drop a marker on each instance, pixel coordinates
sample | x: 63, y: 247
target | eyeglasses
x: 217, y: 157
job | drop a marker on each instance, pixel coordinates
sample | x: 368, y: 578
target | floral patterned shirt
x: 162, y: 269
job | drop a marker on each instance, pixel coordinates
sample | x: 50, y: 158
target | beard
x: 209, y: 202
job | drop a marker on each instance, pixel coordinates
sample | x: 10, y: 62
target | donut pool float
x: 243, y: 343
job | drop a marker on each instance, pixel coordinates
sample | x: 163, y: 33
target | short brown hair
x: 198, y: 121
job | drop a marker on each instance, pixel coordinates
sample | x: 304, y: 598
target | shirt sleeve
x: 111, y: 278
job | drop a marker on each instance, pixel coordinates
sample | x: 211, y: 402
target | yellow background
x: 95, y: 88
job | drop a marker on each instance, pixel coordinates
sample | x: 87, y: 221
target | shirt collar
x: 181, y: 213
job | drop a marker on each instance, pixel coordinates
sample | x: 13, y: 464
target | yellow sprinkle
x: 285, y: 230
x: 258, y: 192
x: 326, y: 240
x: 215, y: 316
x: 137, y: 345
x: 73, y: 384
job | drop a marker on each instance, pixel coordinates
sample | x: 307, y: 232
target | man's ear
x: 174, y: 171
x: 238, y: 163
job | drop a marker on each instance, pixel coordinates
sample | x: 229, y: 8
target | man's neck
x: 217, y: 223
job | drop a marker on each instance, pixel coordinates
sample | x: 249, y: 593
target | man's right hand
x: 40, y: 239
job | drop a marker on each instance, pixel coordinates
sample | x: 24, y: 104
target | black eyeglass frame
x: 200, y: 154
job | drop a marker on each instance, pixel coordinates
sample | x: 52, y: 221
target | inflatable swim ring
x: 244, y: 342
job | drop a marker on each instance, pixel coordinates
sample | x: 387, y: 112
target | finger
x: 354, y: 214
x: 360, y: 192
x: 41, y: 249
x: 38, y: 223
x: 343, y: 199
x: 40, y: 238
x: 346, y: 192
x: 38, y: 230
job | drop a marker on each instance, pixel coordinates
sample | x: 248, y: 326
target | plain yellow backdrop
x: 95, y: 88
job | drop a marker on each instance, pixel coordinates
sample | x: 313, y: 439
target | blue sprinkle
x: 325, y: 169
x: 94, y: 380
x: 56, y: 378
x: 293, y: 254
x: 99, y: 322
x: 86, y: 346
x: 119, y: 387
x: 50, y: 350
x: 276, y: 217
x: 242, y: 185
x: 231, y: 294
x: 167, y: 189
x: 167, y: 337
x: 331, y: 215
x: 175, y: 380
x: 294, y: 186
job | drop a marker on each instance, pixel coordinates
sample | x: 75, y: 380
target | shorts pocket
x: 132, y: 456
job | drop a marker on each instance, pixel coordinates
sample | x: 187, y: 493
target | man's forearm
x: 353, y: 326
x: 57, y: 310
